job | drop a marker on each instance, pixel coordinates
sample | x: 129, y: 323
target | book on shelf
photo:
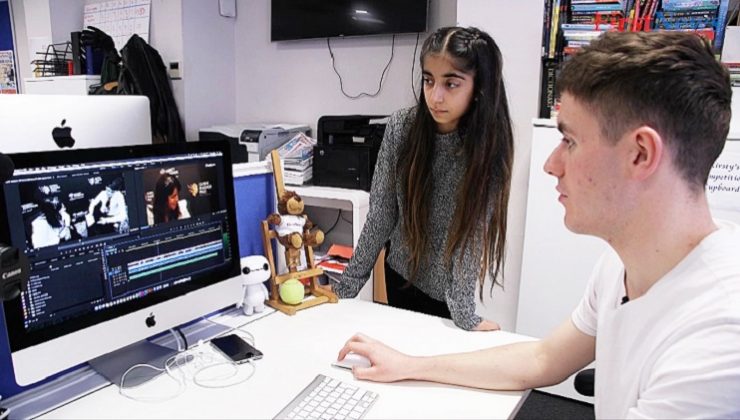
x: 555, y: 27
x: 594, y: 1
x: 689, y: 4
x: 547, y: 89
x: 298, y: 164
x: 297, y: 155
x: 294, y: 177
x: 336, y: 259
x: 299, y: 147
x: 596, y: 7
x: 734, y: 69
x: 568, y: 25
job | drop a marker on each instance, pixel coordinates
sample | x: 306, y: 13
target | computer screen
x: 122, y: 242
x: 33, y: 123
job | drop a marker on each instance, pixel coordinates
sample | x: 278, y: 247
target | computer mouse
x: 351, y: 360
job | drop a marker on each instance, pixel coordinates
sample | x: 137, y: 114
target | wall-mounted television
x: 302, y: 19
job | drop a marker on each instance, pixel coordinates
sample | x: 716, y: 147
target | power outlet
x: 175, y: 70
x: 227, y: 8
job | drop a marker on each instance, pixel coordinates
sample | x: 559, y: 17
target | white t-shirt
x: 290, y: 224
x: 116, y: 211
x: 43, y: 234
x: 675, y: 351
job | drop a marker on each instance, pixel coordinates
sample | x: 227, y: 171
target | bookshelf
x: 568, y: 25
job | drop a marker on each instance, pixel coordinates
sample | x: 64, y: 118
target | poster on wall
x: 8, y: 81
x: 120, y: 19
x: 723, y: 185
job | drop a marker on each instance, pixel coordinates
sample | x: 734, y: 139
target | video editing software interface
x: 101, y: 235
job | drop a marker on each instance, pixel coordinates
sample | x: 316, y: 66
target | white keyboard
x: 329, y: 398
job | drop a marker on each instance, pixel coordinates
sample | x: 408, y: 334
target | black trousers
x: 407, y: 296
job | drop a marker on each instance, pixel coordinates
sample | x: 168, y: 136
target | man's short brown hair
x: 669, y: 81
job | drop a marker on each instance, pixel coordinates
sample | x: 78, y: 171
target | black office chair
x: 584, y: 382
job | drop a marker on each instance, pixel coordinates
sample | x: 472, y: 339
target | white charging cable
x: 4, y: 412
x: 190, y: 365
x: 181, y: 384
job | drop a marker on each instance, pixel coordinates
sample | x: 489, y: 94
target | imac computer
x: 123, y: 243
x: 33, y: 123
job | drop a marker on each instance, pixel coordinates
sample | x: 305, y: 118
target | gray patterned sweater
x: 454, y: 284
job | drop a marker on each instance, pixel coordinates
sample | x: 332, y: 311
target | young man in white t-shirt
x: 643, y: 117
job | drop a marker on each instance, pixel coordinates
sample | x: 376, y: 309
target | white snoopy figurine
x: 255, y: 271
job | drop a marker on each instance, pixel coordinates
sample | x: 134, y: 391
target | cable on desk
x: 200, y: 382
x: 184, y: 339
x: 181, y: 385
x: 4, y: 412
x: 197, y: 358
x: 177, y: 340
x: 382, y: 75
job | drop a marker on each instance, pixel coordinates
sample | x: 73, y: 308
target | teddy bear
x: 255, y: 272
x: 294, y: 228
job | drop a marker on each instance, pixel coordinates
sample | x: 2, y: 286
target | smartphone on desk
x: 235, y: 348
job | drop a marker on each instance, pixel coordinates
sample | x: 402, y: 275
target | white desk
x: 298, y: 348
x: 61, y: 85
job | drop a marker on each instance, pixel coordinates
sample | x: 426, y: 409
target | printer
x: 346, y: 150
x: 251, y: 142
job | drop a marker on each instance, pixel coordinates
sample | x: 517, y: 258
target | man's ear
x: 646, y: 150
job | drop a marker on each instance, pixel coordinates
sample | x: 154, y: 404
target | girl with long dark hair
x: 440, y: 190
x: 167, y: 204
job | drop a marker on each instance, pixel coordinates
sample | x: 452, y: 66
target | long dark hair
x: 488, y: 149
x: 48, y: 205
x: 51, y: 208
x: 166, y: 185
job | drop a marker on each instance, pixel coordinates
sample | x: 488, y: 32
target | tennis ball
x: 291, y: 292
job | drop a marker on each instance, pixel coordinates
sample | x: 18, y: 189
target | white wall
x: 165, y: 35
x: 517, y: 28
x: 37, y: 18
x: 209, y: 67
x: 66, y: 17
x: 20, y: 41
x: 32, y: 18
x: 293, y: 81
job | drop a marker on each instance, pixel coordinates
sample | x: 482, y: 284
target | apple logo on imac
x: 63, y: 136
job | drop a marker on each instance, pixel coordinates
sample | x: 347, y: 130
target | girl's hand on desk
x: 487, y: 325
x: 386, y: 364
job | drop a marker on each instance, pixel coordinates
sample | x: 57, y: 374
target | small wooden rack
x: 320, y: 294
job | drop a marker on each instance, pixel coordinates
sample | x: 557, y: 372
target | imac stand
x: 113, y: 365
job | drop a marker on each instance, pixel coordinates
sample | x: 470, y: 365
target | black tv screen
x: 301, y: 19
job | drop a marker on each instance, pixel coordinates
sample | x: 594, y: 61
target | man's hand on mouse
x: 387, y: 364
